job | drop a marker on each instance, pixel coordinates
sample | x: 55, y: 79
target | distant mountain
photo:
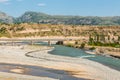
x: 4, y: 18
x: 32, y: 17
x: 37, y: 17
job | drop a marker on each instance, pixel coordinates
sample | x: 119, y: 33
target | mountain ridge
x: 4, y: 18
x: 38, y: 17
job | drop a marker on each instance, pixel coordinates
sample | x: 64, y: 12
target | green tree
x: 82, y: 45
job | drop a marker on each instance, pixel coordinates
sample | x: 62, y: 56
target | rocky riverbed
x: 38, y: 56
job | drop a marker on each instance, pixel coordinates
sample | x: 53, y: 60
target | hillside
x: 34, y: 29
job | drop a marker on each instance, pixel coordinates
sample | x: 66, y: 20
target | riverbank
x: 38, y: 56
x: 99, y: 50
x: 106, y: 51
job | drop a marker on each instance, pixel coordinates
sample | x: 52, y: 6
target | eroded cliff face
x: 34, y: 29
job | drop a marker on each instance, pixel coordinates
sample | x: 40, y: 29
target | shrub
x: 82, y: 45
x: 92, y: 48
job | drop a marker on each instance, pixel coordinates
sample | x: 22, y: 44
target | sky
x: 62, y: 7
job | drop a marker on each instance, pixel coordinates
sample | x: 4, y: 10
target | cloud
x: 4, y: 1
x: 41, y: 4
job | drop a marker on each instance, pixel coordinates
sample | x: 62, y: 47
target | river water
x: 73, y: 52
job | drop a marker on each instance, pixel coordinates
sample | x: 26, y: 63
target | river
x: 78, y: 53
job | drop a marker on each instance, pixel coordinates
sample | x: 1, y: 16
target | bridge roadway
x: 41, y: 39
x: 32, y: 41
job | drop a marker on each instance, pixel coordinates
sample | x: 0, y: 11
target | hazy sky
x: 62, y: 7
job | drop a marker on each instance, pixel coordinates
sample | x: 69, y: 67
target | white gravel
x: 40, y: 57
